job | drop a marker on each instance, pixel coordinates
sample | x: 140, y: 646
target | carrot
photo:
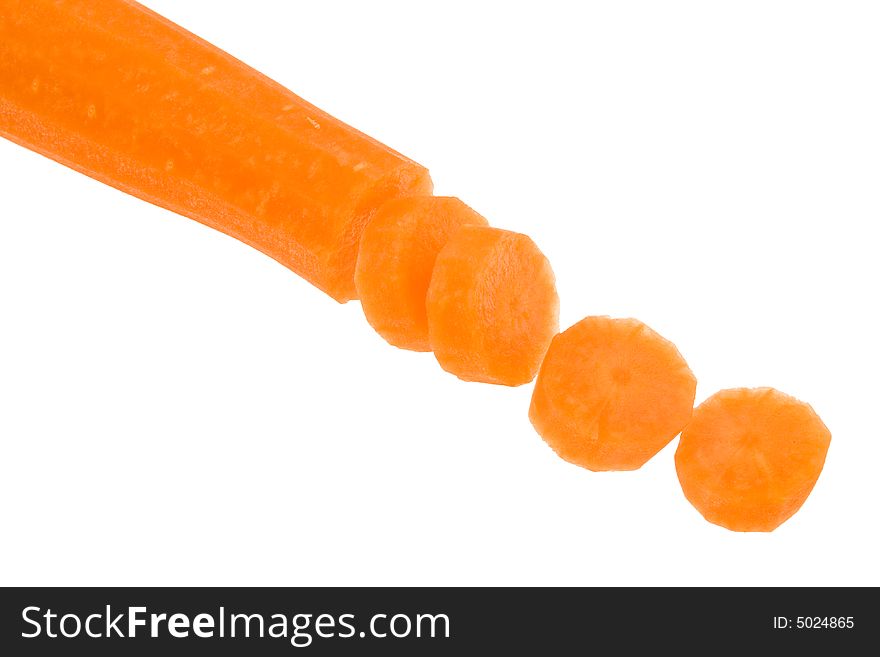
x: 398, y: 250
x: 611, y: 393
x: 492, y: 306
x: 750, y: 457
x: 121, y: 94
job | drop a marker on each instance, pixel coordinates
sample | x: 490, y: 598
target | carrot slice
x: 398, y: 250
x: 750, y: 457
x: 492, y: 306
x: 611, y: 393
x: 121, y: 94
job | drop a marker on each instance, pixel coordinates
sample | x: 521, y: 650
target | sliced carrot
x: 750, y: 457
x: 117, y: 92
x: 611, y: 393
x: 398, y: 250
x: 492, y: 306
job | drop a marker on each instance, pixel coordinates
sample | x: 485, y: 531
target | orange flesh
x: 750, y: 457
x: 492, y: 306
x: 611, y: 393
x: 398, y: 250
x: 119, y: 93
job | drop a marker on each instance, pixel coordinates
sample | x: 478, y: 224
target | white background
x: 176, y: 408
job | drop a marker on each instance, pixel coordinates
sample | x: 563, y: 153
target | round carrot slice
x: 492, y: 306
x: 611, y: 393
x: 396, y: 258
x: 750, y: 457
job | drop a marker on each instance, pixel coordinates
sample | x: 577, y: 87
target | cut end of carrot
x: 611, y: 393
x: 750, y: 457
x: 492, y: 306
x: 397, y: 253
x: 409, y: 181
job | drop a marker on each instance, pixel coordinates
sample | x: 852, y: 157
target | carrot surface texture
x: 611, y: 393
x: 115, y: 91
x: 492, y: 306
x: 750, y: 457
x: 396, y: 258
